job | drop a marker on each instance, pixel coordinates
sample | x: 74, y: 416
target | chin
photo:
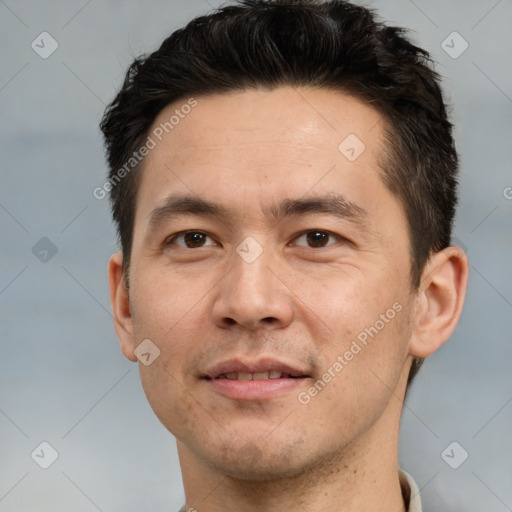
x: 262, y: 471
x: 260, y: 461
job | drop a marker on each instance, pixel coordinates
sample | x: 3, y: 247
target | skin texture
x: 298, y: 302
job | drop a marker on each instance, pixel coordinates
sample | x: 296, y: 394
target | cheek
x: 347, y: 304
x: 362, y: 371
x: 167, y: 395
x: 168, y: 312
x: 167, y: 303
x: 367, y: 328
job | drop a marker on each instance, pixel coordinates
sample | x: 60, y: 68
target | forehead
x: 252, y: 145
x: 317, y: 118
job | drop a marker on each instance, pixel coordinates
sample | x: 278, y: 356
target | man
x: 282, y: 175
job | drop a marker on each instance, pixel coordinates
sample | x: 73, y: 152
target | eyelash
x: 171, y: 240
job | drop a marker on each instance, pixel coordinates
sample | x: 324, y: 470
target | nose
x: 253, y: 296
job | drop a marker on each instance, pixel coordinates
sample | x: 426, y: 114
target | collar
x: 410, y: 491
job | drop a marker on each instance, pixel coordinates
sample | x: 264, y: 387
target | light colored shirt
x: 410, y: 492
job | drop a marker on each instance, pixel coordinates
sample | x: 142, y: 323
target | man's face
x: 285, y: 282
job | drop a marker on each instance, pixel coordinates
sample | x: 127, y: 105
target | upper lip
x: 259, y: 365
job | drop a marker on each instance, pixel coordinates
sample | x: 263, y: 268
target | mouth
x: 259, y: 380
x: 270, y: 374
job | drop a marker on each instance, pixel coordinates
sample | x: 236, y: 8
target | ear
x: 120, y: 302
x: 439, y: 301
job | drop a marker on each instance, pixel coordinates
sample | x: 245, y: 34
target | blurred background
x: 63, y: 380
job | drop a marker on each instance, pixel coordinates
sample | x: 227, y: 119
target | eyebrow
x: 333, y: 204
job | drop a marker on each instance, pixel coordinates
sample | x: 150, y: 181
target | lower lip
x: 255, y: 389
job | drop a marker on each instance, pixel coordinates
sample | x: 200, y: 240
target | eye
x: 317, y: 238
x: 190, y: 239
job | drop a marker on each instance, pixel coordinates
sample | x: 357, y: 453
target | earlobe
x: 120, y: 302
x: 440, y: 300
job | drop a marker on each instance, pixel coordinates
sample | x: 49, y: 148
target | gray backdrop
x: 63, y: 380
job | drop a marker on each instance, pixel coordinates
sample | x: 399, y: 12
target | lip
x: 256, y: 389
x: 260, y: 365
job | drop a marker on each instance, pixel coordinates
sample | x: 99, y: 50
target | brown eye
x: 190, y: 239
x: 317, y: 239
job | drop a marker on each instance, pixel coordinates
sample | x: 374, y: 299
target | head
x: 266, y: 120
